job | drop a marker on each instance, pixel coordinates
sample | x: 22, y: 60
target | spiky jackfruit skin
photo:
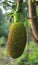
x: 16, y: 40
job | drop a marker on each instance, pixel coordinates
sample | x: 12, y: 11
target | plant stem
x: 19, y: 5
x: 18, y: 11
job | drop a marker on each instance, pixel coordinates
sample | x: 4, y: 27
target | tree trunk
x: 33, y: 18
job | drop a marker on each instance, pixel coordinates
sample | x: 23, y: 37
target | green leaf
x: 33, y: 1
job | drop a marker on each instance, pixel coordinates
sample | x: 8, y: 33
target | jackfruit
x: 16, y: 40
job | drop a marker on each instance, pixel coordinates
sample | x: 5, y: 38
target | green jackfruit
x: 16, y: 39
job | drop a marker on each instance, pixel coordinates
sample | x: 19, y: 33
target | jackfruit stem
x: 19, y: 5
x: 18, y: 11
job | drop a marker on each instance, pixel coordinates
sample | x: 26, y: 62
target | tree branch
x: 34, y: 21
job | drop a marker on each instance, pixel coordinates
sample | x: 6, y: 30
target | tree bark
x: 33, y: 18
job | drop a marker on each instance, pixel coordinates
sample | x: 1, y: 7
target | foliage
x: 2, y: 41
x: 33, y: 1
x: 4, y: 25
x: 37, y: 9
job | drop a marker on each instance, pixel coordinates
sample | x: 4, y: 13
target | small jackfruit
x: 16, y: 39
